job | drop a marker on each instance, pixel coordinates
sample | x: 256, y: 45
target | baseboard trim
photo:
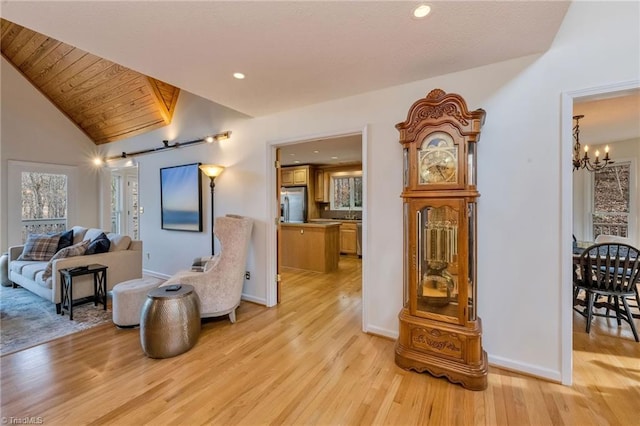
x: 253, y: 299
x: 524, y: 368
x: 146, y: 272
x: 382, y: 332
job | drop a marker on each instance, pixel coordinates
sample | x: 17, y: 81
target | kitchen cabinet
x: 349, y: 238
x: 310, y: 246
x: 286, y: 177
x: 322, y: 187
x: 294, y: 176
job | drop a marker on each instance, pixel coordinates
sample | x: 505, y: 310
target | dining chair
x: 611, y: 270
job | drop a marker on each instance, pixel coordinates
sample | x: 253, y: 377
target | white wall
x: 628, y: 150
x: 520, y: 223
x: 34, y: 130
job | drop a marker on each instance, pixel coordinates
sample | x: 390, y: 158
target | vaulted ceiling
x: 107, y: 101
x: 294, y: 53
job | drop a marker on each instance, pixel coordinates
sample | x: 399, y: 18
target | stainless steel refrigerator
x: 293, y: 204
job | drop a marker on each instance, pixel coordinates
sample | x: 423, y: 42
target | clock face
x: 437, y: 160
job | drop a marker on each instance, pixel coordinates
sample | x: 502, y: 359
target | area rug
x: 27, y: 320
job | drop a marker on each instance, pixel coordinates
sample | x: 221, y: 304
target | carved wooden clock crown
x: 438, y: 108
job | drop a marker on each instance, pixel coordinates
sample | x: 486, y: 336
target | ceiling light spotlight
x: 223, y: 136
x: 209, y: 139
x: 316, y: 151
x: 238, y: 75
x: 98, y: 161
x: 421, y: 11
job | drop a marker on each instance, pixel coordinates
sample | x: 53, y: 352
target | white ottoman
x: 128, y: 298
x: 4, y: 270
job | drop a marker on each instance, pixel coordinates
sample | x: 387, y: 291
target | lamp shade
x: 212, y: 170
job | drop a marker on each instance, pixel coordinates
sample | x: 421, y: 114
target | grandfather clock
x: 440, y: 331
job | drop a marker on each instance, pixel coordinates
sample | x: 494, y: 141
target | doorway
x: 328, y: 152
x: 124, y: 206
x: 572, y: 101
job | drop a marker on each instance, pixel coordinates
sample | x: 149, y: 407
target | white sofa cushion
x: 31, y: 268
x: 118, y: 241
x: 78, y: 233
x: 92, y: 234
x: 16, y: 266
x: 48, y: 283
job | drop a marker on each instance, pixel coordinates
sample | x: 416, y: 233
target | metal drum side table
x: 170, y: 321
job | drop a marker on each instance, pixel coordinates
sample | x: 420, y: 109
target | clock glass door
x: 440, y: 252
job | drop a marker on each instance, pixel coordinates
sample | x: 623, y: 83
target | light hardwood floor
x: 303, y: 362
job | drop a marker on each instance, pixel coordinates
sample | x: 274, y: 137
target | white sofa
x: 124, y: 262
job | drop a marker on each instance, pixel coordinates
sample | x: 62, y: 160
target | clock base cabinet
x: 443, y: 350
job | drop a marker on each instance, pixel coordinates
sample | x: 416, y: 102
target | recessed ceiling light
x: 297, y: 161
x: 334, y: 158
x: 421, y: 11
x: 293, y: 155
x: 316, y: 151
x: 238, y: 75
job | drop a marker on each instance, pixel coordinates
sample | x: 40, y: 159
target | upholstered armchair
x: 219, y: 286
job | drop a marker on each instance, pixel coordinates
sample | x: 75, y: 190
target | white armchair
x: 220, y: 285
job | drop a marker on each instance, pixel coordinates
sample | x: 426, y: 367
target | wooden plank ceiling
x: 105, y: 100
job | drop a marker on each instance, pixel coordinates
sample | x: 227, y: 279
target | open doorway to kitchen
x: 320, y: 216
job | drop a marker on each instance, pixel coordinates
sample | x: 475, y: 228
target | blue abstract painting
x: 181, y: 198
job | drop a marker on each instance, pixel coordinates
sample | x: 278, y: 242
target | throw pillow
x: 74, y: 250
x: 199, y: 263
x: 66, y: 239
x: 99, y: 244
x: 118, y: 241
x: 40, y: 247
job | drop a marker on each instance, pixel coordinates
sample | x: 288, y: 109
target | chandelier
x: 585, y: 162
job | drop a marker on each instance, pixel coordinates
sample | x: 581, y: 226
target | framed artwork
x: 181, y: 198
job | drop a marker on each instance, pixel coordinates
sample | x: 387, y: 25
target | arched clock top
x: 439, y: 108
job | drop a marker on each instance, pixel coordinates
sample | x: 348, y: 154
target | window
x: 116, y: 203
x: 346, y: 192
x: 611, y: 200
x: 41, y: 198
x: 44, y: 203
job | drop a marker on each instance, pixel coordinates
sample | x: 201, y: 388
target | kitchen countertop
x: 336, y: 220
x: 319, y: 224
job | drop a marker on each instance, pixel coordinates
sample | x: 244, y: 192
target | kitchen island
x: 311, y: 246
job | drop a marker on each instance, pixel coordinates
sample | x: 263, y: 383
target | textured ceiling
x: 294, y: 53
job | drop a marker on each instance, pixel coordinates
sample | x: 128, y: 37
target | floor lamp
x: 213, y: 171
